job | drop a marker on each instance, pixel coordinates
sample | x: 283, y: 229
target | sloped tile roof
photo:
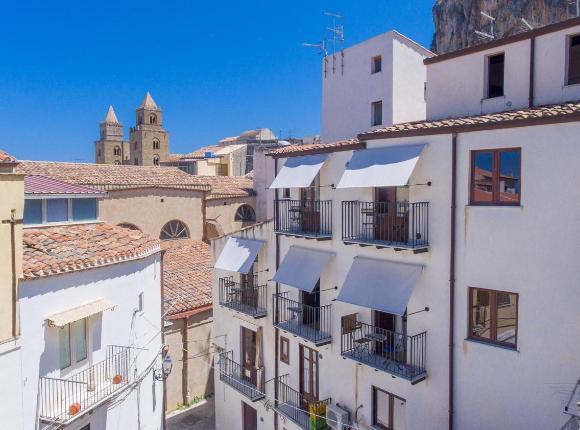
x: 198, y: 154
x: 230, y: 186
x: 36, y: 184
x: 514, y: 118
x: 69, y: 248
x: 6, y: 158
x: 315, y: 148
x: 187, y: 276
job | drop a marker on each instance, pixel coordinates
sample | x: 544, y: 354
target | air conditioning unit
x: 337, y: 418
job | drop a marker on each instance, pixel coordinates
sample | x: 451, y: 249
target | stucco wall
x: 223, y: 211
x: 200, y: 354
x: 151, y: 208
x: 263, y: 176
x: 11, y: 393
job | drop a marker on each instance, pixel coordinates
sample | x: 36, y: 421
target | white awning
x: 302, y: 267
x: 381, y: 167
x: 78, y: 313
x: 238, y: 255
x: 299, y: 172
x: 380, y: 285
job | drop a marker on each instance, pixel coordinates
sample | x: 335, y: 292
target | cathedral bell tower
x: 149, y: 142
x: 110, y: 148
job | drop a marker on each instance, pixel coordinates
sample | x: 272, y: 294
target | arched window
x: 245, y: 213
x: 156, y: 160
x: 156, y: 144
x: 117, y: 162
x: 152, y: 119
x: 117, y: 151
x: 129, y: 226
x: 174, y: 230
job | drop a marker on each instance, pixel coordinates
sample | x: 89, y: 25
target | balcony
x: 311, y: 323
x: 297, y: 408
x: 395, y: 353
x: 398, y: 225
x: 242, y: 297
x: 62, y: 400
x: 304, y: 218
x: 248, y: 380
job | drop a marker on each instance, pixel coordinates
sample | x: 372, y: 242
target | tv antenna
x: 575, y: 5
x: 526, y: 24
x: 321, y: 46
x: 491, y: 34
x: 336, y: 31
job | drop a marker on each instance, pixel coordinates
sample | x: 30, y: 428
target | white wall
x: 263, y: 176
x: 456, y: 87
x: 347, y: 92
x: 11, y: 392
x: 121, y: 285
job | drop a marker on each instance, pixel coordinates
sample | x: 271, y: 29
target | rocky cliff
x: 457, y: 20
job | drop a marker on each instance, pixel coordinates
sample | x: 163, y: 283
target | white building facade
x: 406, y: 280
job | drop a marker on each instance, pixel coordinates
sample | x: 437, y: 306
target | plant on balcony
x: 117, y: 379
x: 74, y: 408
x: 317, y: 414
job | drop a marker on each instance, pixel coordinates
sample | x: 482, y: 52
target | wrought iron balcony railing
x: 308, y: 218
x: 388, y: 224
x: 389, y: 351
x: 306, y: 413
x: 312, y: 323
x: 248, y: 380
x: 242, y: 297
x: 61, y: 400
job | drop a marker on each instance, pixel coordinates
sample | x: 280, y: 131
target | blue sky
x: 215, y: 68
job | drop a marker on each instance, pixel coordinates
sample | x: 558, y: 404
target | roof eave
x: 359, y: 145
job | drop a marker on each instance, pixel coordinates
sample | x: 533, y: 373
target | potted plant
x: 74, y: 408
x: 117, y: 379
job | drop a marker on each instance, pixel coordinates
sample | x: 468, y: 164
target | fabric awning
x: 299, y: 172
x: 380, y: 285
x: 238, y: 255
x: 381, y: 167
x: 78, y: 313
x: 302, y: 267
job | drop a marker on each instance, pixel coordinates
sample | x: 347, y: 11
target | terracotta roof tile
x: 69, y: 248
x: 36, y: 184
x: 187, y: 276
x: 557, y: 113
x: 313, y: 148
x: 198, y: 154
x: 6, y: 158
x: 230, y: 186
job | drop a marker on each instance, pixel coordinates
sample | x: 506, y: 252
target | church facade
x: 148, y: 143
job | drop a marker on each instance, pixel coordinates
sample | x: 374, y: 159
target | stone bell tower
x: 111, y: 148
x: 149, y: 142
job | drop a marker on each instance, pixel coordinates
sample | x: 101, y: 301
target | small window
x: 349, y: 323
x: 495, y: 177
x: 141, y: 301
x: 33, y: 212
x: 377, y: 113
x: 284, y: 350
x: 129, y: 226
x: 72, y: 339
x: 136, y: 161
x: 56, y: 210
x: 156, y: 160
x: 117, y: 151
x: 245, y: 213
x: 493, y: 316
x: 174, y: 230
x: 376, y: 64
x: 574, y: 61
x: 285, y: 193
x: 117, y: 162
x: 152, y: 119
x: 156, y: 144
x: 388, y: 410
x: 495, y: 75
x: 84, y: 209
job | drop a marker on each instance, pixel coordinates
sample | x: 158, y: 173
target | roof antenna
x: 336, y: 31
x: 527, y: 24
x: 491, y: 35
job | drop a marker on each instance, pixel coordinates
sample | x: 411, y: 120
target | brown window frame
x: 495, y: 177
x: 569, y: 80
x: 493, y: 318
x: 392, y: 398
x: 284, y: 358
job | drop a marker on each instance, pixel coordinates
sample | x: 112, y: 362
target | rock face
x: 457, y: 20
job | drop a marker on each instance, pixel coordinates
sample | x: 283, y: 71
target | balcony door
x: 391, y: 214
x: 309, y: 198
x: 308, y: 376
x: 248, y: 291
x: 248, y: 361
x: 390, y: 329
x: 311, y: 314
x: 249, y: 417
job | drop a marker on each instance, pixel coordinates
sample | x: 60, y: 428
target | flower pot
x: 117, y: 379
x: 74, y: 408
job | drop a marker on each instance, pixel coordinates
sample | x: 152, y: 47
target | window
x: 495, y: 75
x: 388, y: 410
x: 56, y: 210
x: 117, y: 162
x: 156, y: 144
x: 174, y: 230
x: 141, y: 302
x: 495, y: 177
x: 377, y: 113
x: 221, y: 169
x: 284, y: 350
x: 376, y: 64
x: 285, y: 193
x: 117, y: 151
x: 152, y: 119
x: 84, y: 209
x: 245, y: 213
x: 348, y: 323
x: 33, y: 212
x: 493, y: 316
x: 129, y: 226
x: 574, y: 61
x: 156, y: 160
x: 73, y: 343
x: 136, y: 161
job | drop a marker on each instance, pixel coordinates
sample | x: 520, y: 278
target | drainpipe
x: 204, y: 215
x: 532, y: 69
x: 163, y: 336
x: 276, y: 310
x: 185, y: 362
x: 452, y: 274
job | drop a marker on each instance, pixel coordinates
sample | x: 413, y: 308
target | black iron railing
x: 386, y: 223
x: 304, y: 217
x: 62, y: 399
x: 312, y: 323
x: 307, y: 413
x: 248, y: 380
x: 243, y: 297
x: 390, y: 351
